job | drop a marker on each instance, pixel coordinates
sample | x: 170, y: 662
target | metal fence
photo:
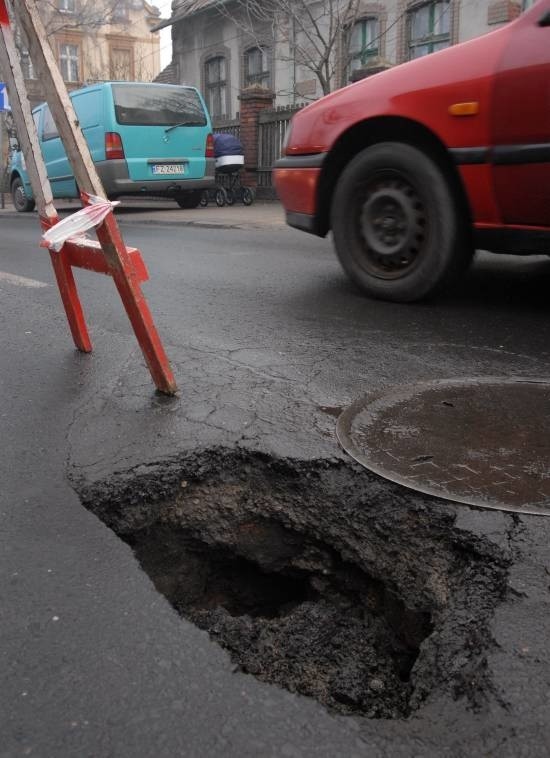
x: 232, y: 126
x: 272, y: 128
x: 273, y: 125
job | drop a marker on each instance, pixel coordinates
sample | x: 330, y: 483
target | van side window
x: 49, y: 129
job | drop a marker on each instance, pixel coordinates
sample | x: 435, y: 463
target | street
x: 268, y: 341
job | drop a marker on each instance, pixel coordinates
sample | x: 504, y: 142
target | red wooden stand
x: 107, y: 256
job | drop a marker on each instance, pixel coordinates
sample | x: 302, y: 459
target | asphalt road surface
x: 267, y: 340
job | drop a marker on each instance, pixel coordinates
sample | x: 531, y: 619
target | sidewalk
x: 260, y: 215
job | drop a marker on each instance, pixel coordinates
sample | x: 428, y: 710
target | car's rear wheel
x: 397, y: 226
x: 21, y: 201
x: 189, y: 199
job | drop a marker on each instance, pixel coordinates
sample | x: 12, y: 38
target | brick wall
x: 503, y: 11
x: 253, y: 100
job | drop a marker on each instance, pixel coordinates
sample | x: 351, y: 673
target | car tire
x: 397, y: 225
x: 22, y: 203
x: 189, y: 199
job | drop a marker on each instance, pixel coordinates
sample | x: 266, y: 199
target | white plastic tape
x: 77, y: 223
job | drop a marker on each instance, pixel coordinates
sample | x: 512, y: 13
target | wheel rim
x: 393, y: 225
x: 20, y: 197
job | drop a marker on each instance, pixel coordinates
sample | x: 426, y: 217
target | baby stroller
x: 229, y: 157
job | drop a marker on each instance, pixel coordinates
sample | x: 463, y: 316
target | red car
x: 417, y: 166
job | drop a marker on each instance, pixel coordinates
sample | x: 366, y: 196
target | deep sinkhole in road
x: 315, y: 576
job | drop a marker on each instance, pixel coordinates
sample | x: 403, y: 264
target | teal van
x: 145, y: 139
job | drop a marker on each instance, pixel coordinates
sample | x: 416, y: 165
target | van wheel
x: 21, y: 202
x: 397, y: 226
x: 189, y: 199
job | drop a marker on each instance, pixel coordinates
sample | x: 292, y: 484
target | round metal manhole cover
x: 484, y: 442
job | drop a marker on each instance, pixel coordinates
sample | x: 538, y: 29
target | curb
x: 124, y: 221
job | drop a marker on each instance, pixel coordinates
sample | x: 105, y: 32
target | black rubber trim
x: 301, y: 161
x: 513, y: 155
x: 469, y: 155
x: 503, y: 155
x: 303, y: 221
x: 515, y: 241
x: 64, y: 178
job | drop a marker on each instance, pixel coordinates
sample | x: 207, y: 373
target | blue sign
x: 4, y: 104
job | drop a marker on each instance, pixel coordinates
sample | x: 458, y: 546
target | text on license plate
x: 168, y: 168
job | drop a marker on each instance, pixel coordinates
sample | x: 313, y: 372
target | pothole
x: 316, y: 577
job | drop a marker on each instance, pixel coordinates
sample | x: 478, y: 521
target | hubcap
x: 393, y: 225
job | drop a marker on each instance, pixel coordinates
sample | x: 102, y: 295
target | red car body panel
x: 298, y: 189
x: 507, y: 72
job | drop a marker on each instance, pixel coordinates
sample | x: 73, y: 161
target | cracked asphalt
x: 267, y: 340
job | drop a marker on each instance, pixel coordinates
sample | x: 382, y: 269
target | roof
x: 168, y: 75
x: 184, y: 9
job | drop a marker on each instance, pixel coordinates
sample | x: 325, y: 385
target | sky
x: 165, y: 7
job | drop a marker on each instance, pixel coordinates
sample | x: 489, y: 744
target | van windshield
x: 157, y: 105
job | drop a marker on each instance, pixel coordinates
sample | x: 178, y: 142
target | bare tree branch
x: 319, y: 31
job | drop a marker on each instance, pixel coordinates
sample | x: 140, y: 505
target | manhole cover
x: 483, y: 442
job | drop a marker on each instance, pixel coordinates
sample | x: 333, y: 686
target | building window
x: 216, y: 86
x: 24, y: 57
x: 121, y: 64
x: 363, y: 43
x: 120, y: 12
x: 68, y: 62
x: 67, y: 6
x: 256, y: 67
x: 26, y: 64
x: 429, y: 27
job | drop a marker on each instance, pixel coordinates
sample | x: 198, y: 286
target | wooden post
x: 22, y: 115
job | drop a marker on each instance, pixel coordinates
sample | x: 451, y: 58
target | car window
x: 49, y: 129
x: 154, y: 105
x: 36, y: 118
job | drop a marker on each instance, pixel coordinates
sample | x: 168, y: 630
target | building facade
x: 305, y: 50
x: 96, y: 40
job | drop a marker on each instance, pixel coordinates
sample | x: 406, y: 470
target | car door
x: 521, y: 121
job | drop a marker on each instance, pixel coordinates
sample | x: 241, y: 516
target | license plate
x: 168, y: 168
